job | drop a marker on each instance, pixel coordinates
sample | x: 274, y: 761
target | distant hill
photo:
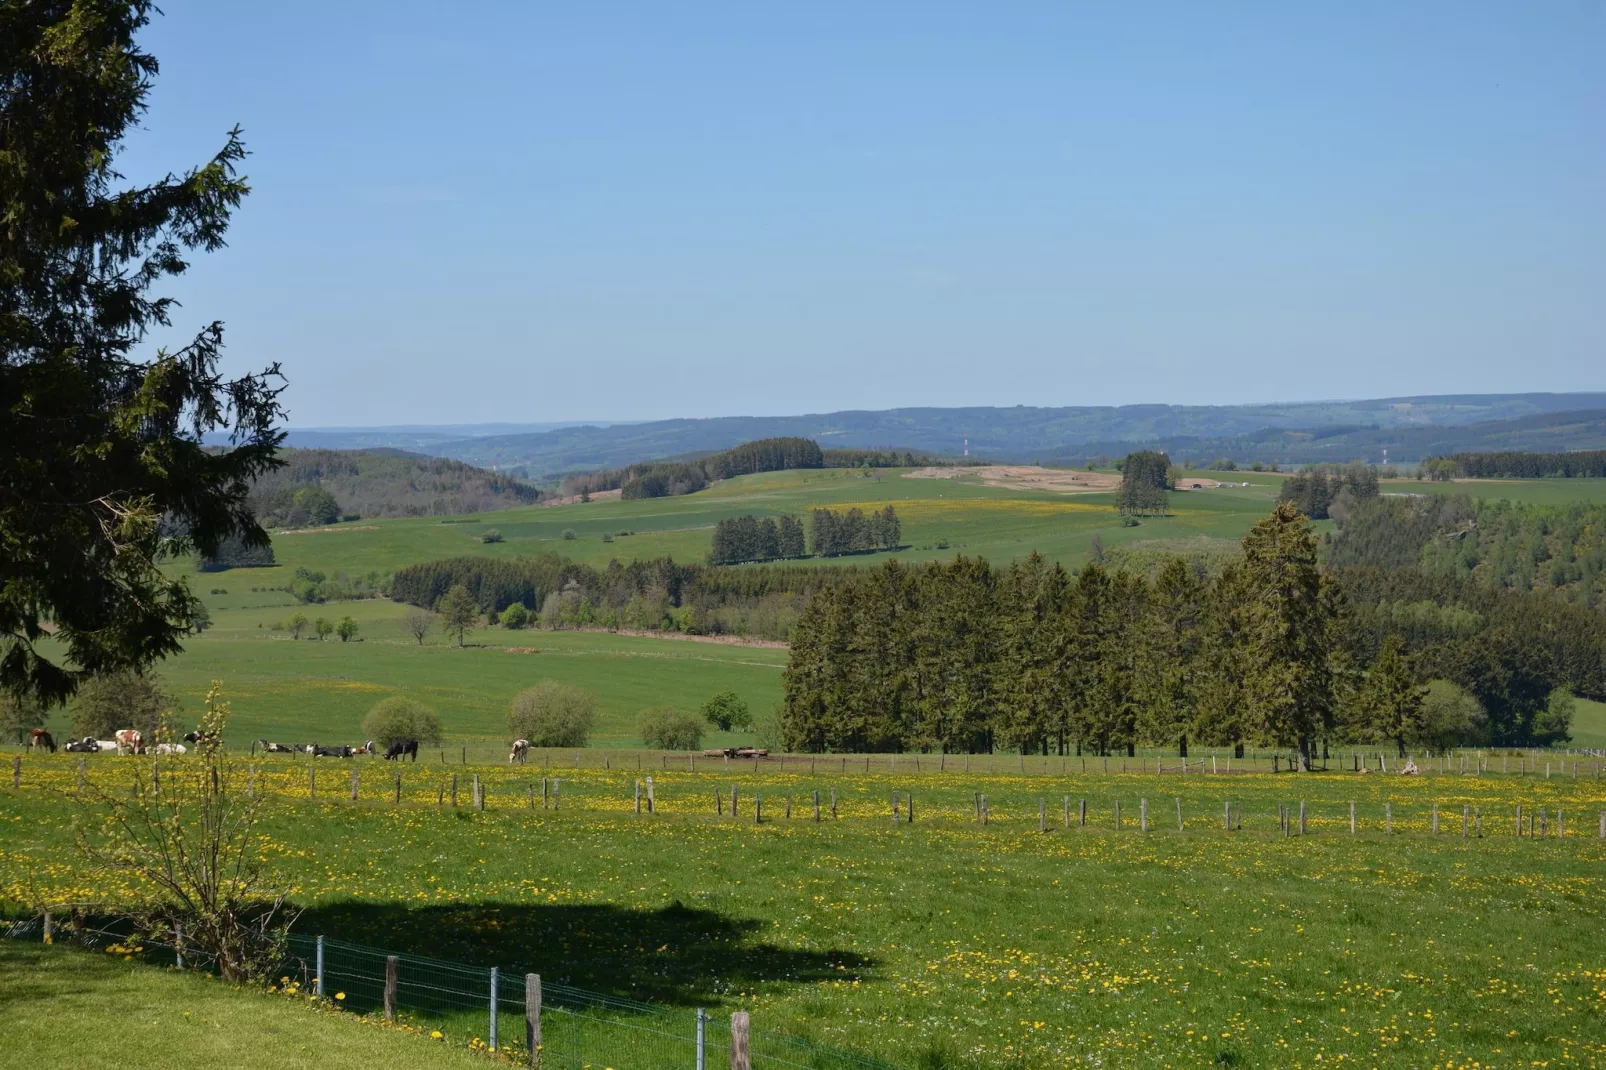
x: 1545, y: 432
x: 318, y: 486
x: 1020, y: 433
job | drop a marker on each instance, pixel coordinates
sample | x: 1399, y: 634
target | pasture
x: 946, y: 942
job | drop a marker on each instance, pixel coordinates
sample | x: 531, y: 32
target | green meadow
x: 944, y: 943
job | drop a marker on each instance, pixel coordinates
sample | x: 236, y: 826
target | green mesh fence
x: 482, y: 1007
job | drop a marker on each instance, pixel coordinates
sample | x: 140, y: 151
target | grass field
x: 1522, y: 491
x: 68, y: 1009
x: 949, y: 943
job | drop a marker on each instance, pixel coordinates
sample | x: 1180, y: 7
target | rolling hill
x: 1344, y: 428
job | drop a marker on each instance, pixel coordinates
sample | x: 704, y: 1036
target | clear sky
x: 540, y: 211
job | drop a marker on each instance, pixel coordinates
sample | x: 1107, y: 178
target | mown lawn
x: 944, y: 942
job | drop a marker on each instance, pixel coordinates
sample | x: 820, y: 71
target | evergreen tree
x: 1169, y: 648
x: 457, y: 612
x: 106, y: 475
x: 1390, y: 702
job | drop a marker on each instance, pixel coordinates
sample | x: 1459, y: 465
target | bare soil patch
x: 1025, y: 477
x: 573, y: 499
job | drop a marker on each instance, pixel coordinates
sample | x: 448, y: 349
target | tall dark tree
x: 102, y: 471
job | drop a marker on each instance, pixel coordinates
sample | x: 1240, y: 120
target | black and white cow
x: 401, y: 748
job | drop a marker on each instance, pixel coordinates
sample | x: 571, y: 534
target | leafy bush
x: 491, y: 536
x: 111, y: 701
x: 516, y: 616
x: 552, y: 714
x: 568, y: 533
x: 726, y: 711
x: 667, y: 728
x: 396, y: 718
x: 1451, y: 717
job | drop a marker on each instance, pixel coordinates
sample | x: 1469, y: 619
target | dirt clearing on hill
x: 1025, y: 477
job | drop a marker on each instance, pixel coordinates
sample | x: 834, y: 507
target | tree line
x: 832, y: 533
x: 962, y: 656
x: 1314, y: 489
x: 740, y: 539
x: 661, y: 479
x: 657, y: 594
x: 1514, y: 464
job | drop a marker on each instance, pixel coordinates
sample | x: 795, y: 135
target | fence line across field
x: 548, y: 1025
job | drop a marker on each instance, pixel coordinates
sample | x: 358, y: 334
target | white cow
x: 171, y: 748
x: 520, y: 751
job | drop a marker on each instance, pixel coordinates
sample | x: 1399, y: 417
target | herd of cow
x: 132, y: 741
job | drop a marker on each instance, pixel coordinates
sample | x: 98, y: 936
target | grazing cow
x: 400, y: 748
x: 87, y: 745
x: 171, y: 748
x: 43, y: 740
x: 204, y: 740
x: 131, y: 739
x: 520, y: 751
x: 273, y: 748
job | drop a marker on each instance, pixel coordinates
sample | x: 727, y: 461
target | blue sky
x: 537, y: 211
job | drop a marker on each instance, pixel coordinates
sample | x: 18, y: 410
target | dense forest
x: 833, y: 533
x: 1316, y: 489
x: 1513, y: 464
x: 1557, y: 550
x: 316, y: 487
x: 1273, y: 651
x: 655, y: 595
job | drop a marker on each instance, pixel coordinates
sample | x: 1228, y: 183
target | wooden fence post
x: 652, y: 803
x: 740, y: 1060
x: 80, y: 775
x: 816, y: 805
x: 758, y: 808
x: 1042, y: 815
x: 1302, y: 817
x: 1435, y: 819
x: 984, y: 809
x: 1466, y: 819
x: 1081, y: 812
x: 1143, y: 815
x: 1226, y: 816
x: 532, y: 1016
x: 638, y: 796
x: 733, y: 800
x: 1352, y: 818
x: 454, y: 789
x: 1388, y: 819
x: 16, y: 771
x: 833, y: 804
x: 390, y: 988
x: 1179, y: 813
x: 354, y: 785
x: 50, y: 927
x: 1067, y: 811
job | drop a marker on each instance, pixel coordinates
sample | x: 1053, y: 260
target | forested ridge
x: 1274, y: 651
x: 315, y: 487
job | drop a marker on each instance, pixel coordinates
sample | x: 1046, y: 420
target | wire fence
x: 509, y: 1012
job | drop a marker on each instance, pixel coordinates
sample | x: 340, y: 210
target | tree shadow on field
x: 678, y: 954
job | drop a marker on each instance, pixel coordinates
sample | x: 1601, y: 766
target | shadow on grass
x: 676, y: 955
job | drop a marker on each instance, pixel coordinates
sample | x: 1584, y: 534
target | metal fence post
x: 318, y: 981
x: 494, y: 976
x: 702, y: 1023
x: 532, y: 1016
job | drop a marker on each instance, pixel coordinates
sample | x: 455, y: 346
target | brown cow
x: 131, y: 739
x: 41, y: 738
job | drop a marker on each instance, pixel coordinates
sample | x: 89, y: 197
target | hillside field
x: 948, y: 943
